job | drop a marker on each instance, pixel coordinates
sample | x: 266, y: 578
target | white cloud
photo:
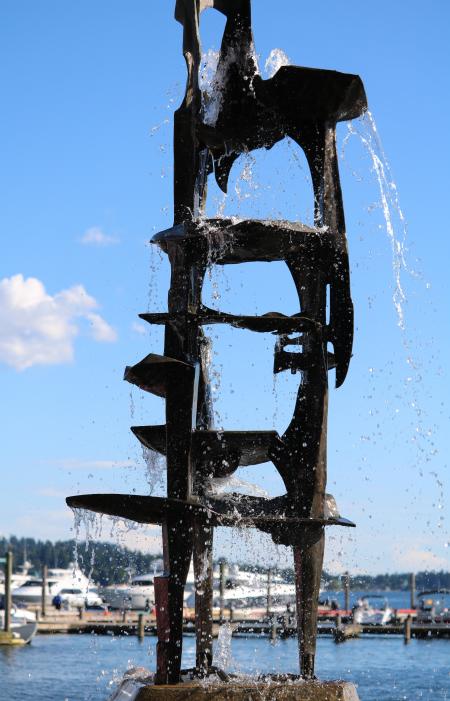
x: 139, y: 328
x: 101, y: 330
x: 96, y: 237
x: 39, y: 329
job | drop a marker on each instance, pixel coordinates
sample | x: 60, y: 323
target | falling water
x: 222, y: 656
x: 422, y: 434
x: 365, y: 128
x: 156, y: 470
x: 93, y: 524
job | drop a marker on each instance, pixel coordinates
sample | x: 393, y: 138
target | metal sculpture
x: 304, y: 104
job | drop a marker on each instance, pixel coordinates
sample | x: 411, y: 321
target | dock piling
x: 44, y: 591
x: 222, y: 591
x: 8, y: 601
x: 412, y: 587
x: 407, y: 630
x: 346, y: 583
x: 273, y: 630
x: 141, y: 627
x: 269, y: 592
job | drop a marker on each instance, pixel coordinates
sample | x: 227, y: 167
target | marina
x: 116, y: 623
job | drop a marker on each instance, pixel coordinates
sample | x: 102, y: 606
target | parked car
x: 77, y: 598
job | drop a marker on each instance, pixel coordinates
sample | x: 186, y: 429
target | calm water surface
x: 85, y: 668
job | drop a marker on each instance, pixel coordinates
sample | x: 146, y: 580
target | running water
x: 156, y: 470
x: 366, y: 129
x: 93, y: 525
x: 422, y: 434
x: 222, y: 656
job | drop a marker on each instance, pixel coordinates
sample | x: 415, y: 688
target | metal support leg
x: 169, y: 590
x: 203, y: 569
x: 308, y: 559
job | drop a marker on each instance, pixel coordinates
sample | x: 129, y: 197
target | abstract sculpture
x: 248, y: 113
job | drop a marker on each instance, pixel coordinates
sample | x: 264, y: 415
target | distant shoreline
x: 112, y: 564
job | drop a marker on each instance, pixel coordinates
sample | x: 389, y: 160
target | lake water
x: 85, y: 668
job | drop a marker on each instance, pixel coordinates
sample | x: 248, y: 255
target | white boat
x: 138, y: 595
x: 368, y: 613
x: 251, y: 598
x: 23, y: 623
x: 30, y: 592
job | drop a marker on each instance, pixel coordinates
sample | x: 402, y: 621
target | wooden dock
x: 116, y: 624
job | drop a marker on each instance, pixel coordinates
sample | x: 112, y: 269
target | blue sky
x: 88, y: 93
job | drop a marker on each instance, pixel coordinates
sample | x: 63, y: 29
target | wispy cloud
x: 96, y: 237
x: 417, y: 559
x: 51, y: 492
x: 37, y: 328
x: 141, y: 329
x: 76, y: 464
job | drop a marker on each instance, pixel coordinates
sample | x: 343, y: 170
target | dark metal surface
x: 304, y: 104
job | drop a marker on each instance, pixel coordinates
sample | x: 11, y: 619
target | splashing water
x: 206, y: 361
x: 210, y: 87
x: 274, y: 61
x: 223, y: 485
x: 223, y: 658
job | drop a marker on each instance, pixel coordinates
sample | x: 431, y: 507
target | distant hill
x: 112, y: 564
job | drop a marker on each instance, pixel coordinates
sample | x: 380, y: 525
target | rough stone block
x: 242, y: 690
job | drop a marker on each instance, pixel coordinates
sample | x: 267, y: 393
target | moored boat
x: 30, y: 592
x: 23, y: 624
x: 372, y: 610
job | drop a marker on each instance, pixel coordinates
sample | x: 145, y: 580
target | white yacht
x: 30, y: 592
x: 252, y: 600
x: 243, y: 588
x: 138, y: 595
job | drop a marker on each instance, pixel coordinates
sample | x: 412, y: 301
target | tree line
x: 108, y: 563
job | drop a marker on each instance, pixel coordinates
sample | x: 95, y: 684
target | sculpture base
x: 238, y: 690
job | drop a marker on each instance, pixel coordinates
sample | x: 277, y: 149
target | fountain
x: 211, y: 130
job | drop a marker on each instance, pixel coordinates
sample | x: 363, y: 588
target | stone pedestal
x: 238, y: 690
